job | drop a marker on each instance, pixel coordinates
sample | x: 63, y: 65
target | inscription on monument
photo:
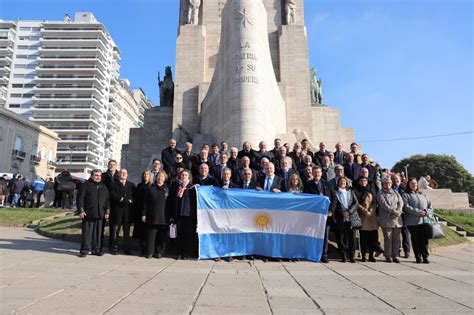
x: 245, y: 64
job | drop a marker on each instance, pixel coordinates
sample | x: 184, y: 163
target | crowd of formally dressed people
x: 162, y: 207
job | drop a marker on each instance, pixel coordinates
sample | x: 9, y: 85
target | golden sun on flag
x: 263, y: 220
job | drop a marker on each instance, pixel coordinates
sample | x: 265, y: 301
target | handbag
x: 356, y: 222
x: 433, y: 229
x: 172, y: 231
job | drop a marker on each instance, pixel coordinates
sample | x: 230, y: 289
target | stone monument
x: 241, y: 73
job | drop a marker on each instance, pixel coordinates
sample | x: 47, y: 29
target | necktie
x: 246, y: 186
x: 268, y: 184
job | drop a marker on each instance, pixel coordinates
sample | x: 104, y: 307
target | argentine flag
x: 239, y: 222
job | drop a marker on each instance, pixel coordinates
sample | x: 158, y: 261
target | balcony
x: 5, y: 59
x: 51, y: 164
x: 35, y: 159
x: 4, y: 69
x: 18, y: 154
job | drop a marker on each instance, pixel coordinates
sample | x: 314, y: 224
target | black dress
x: 156, y: 221
x: 139, y: 201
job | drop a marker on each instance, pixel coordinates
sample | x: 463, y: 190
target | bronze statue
x: 166, y: 88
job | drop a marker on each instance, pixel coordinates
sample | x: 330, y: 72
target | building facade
x: 25, y: 147
x: 64, y: 75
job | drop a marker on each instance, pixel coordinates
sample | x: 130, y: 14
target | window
x: 17, y: 85
x: 23, y: 28
x: 34, y: 149
x: 15, y: 95
x: 21, y: 57
x: 28, y: 95
x: 22, y: 47
x: 14, y: 106
x: 18, y: 144
x: 32, y: 57
x: 29, y: 85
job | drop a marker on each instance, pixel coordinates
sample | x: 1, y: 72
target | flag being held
x: 238, y: 222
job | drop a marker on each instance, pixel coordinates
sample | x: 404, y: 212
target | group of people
x: 162, y: 206
x: 48, y: 193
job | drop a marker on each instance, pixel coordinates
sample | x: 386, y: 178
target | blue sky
x: 395, y: 69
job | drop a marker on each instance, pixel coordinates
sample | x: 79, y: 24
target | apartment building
x: 7, y: 44
x: 64, y: 75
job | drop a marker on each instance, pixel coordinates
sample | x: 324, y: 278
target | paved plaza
x: 45, y: 276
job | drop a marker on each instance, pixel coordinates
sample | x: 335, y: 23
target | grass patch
x: 464, y: 220
x: 23, y: 216
x: 452, y: 238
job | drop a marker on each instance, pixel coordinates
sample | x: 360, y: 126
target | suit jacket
x: 352, y: 171
x: 93, y: 199
x: 252, y: 184
x: 121, y: 200
x: 332, y: 184
x: 215, y: 159
x: 250, y: 154
x: 240, y: 175
x: 311, y: 188
x: 340, y: 157
x: 195, y: 167
x: 329, y: 173
x: 371, y: 168
x: 284, y: 183
x: 277, y: 182
x: 108, y: 179
x: 155, y: 201
x: 319, y: 156
x: 208, y: 181
x: 231, y: 185
x: 189, y: 160
x: 168, y: 159
x: 259, y: 155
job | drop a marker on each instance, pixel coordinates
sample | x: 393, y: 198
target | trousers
x: 391, y: 242
x: 419, y: 241
x: 91, y: 237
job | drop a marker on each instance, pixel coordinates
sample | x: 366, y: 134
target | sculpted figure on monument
x: 166, y: 88
x: 181, y: 135
x: 290, y: 9
x: 193, y: 11
x: 301, y: 135
x: 316, y: 89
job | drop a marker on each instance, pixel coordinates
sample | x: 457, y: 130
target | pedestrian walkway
x: 45, y: 276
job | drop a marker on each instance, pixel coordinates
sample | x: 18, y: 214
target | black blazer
x: 352, y: 171
x: 108, y: 179
x: 121, y: 199
x: 340, y: 158
x: 336, y: 207
x: 252, y: 184
x: 240, y: 176
x: 93, y: 199
x: 231, y: 185
x: 311, y: 188
x: 167, y: 158
x: 208, y: 181
x: 155, y: 201
x: 277, y: 182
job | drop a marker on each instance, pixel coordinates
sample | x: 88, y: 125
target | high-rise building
x: 64, y: 75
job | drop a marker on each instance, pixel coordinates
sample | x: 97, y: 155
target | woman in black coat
x: 139, y: 228
x: 186, y: 215
x: 344, y: 205
x: 155, y: 218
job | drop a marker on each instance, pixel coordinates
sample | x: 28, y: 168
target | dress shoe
x: 343, y: 259
x: 128, y: 252
x: 372, y: 259
x: 352, y: 260
x: 389, y: 260
x: 426, y: 261
x: 99, y: 253
x: 148, y: 256
x: 395, y: 260
x: 113, y: 252
x: 324, y: 260
x: 363, y: 259
x: 82, y: 255
x: 407, y: 255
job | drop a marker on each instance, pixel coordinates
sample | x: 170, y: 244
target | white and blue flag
x: 240, y: 222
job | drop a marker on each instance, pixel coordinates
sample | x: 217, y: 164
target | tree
x: 445, y: 169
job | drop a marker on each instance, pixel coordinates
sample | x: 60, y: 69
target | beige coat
x: 367, y: 213
x: 390, y: 208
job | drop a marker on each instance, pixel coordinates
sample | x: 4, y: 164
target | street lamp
x: 406, y: 171
x: 71, y: 147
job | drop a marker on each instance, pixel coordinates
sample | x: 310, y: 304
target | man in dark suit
x: 318, y: 186
x: 340, y: 155
x: 203, y: 157
x: 351, y: 168
x: 339, y: 171
x: 240, y: 172
x: 155, y: 168
x: 111, y: 175
x: 204, y: 179
x: 121, y: 197
x: 366, y: 163
x: 276, y: 149
x: 355, y: 152
x: 285, y: 172
x: 247, y: 151
x: 215, y: 156
x: 305, y: 148
x: 168, y: 156
x: 261, y: 154
x: 226, y: 182
x: 94, y: 208
x: 188, y: 156
x: 247, y: 179
x: 321, y: 153
x: 270, y: 181
x: 234, y: 162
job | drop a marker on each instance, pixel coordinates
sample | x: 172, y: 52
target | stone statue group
x: 193, y: 11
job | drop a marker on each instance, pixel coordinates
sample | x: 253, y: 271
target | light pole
x: 71, y: 148
x: 406, y: 171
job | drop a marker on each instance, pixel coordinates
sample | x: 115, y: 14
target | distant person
x: 3, y: 189
x: 397, y: 186
x: 328, y: 170
x: 154, y: 216
x: 368, y: 215
x: 351, y: 168
x: 423, y: 183
x: 167, y: 156
x: 261, y: 153
x: 295, y: 184
x: 247, y: 151
x: 18, y: 186
x: 246, y: 163
x: 305, y: 149
x: 343, y: 205
x: 214, y: 156
x: 111, y: 175
x: 139, y: 227
x: 321, y: 153
x: 121, y: 206
x: 431, y: 182
x: 340, y: 156
x: 390, y: 219
x: 155, y: 168
x: 37, y: 186
x: 226, y: 180
x: 276, y: 150
x: 204, y: 178
x: 270, y: 182
x: 355, y: 153
x: 416, y: 207
x: 93, y: 206
x: 49, y: 193
x: 66, y: 187
x: 185, y: 214
x: 248, y: 181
